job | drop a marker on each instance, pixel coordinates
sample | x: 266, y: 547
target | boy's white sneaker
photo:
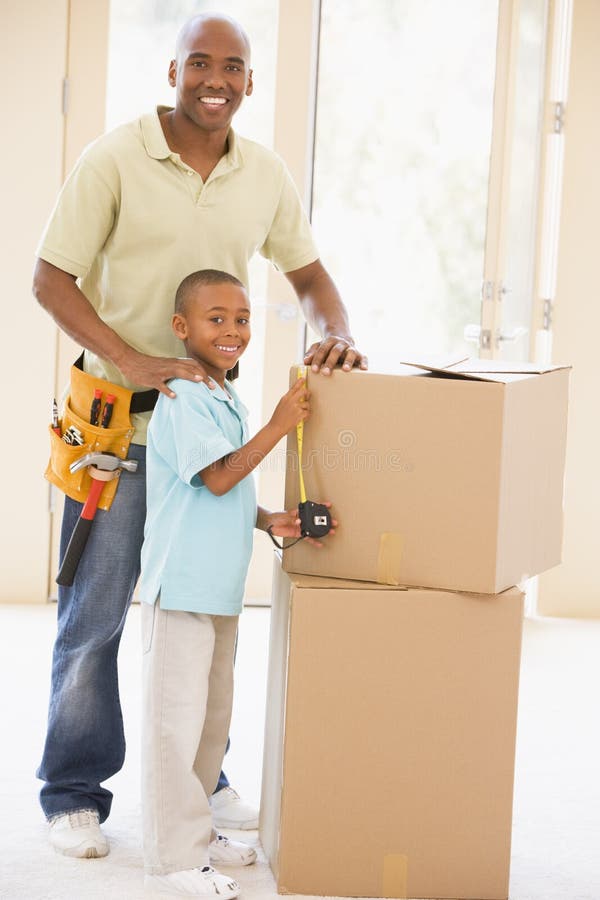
x: 204, y: 882
x: 78, y: 834
x: 225, y: 852
x: 230, y: 811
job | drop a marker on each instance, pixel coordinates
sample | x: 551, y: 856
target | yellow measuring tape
x: 302, y: 373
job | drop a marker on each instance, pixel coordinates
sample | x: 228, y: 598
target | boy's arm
x: 264, y: 518
x: 285, y: 524
x: 220, y: 476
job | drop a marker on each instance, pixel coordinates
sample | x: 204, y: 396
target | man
x: 171, y: 193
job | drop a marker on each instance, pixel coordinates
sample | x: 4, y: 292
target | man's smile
x: 213, y: 101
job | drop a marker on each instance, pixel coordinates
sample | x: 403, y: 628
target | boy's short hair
x: 202, y: 278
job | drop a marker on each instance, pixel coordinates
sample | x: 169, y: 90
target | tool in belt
x: 88, y: 450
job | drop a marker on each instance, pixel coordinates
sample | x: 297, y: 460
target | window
x: 404, y: 119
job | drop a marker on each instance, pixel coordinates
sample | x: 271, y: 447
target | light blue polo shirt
x: 197, y: 546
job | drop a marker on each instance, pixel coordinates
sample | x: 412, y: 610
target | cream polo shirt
x: 132, y: 220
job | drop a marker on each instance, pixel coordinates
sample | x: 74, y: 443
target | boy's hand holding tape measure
x: 293, y: 408
x: 311, y: 520
x: 289, y: 525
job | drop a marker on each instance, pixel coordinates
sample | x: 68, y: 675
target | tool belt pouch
x: 114, y: 439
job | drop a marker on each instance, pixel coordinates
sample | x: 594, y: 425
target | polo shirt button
x: 190, y: 173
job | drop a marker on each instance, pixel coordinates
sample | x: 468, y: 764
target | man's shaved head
x: 211, y: 75
x: 195, y: 24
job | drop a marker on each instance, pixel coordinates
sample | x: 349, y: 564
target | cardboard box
x: 440, y: 478
x: 390, y: 740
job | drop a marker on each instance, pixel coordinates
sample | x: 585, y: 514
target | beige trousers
x: 187, y: 697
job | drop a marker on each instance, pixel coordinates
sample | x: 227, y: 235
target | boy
x: 197, y: 546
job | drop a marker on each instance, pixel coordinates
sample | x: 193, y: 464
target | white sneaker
x: 203, y: 882
x: 78, y: 834
x: 230, y: 811
x: 224, y: 851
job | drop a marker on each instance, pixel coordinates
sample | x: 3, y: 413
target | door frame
x: 84, y: 112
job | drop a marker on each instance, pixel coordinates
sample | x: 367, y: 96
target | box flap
x: 484, y: 369
x: 320, y: 582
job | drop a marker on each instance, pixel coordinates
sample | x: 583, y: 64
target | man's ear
x: 173, y: 72
x: 250, y: 83
x: 179, y: 326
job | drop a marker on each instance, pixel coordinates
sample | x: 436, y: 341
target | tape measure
x: 315, y: 518
x: 302, y: 373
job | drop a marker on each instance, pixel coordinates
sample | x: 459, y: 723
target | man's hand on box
x: 333, y: 351
x: 287, y: 525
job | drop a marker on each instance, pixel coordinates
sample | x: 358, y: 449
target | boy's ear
x: 179, y: 326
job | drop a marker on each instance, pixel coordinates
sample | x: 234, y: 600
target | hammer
x: 103, y: 467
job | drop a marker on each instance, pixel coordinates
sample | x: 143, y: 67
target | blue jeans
x: 85, y: 741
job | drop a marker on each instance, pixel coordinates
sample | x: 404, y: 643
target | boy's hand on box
x: 293, y: 408
x: 287, y: 524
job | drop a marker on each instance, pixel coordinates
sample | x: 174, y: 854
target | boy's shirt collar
x: 228, y: 395
x: 220, y: 393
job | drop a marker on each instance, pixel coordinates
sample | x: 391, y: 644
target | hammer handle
x: 80, y: 534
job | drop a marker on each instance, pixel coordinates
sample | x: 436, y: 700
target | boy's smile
x: 215, y: 327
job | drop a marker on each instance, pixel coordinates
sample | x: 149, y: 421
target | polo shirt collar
x: 227, y: 395
x: 157, y: 147
x: 219, y: 394
x: 231, y: 396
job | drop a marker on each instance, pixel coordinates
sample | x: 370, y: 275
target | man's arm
x: 59, y: 295
x: 326, y: 314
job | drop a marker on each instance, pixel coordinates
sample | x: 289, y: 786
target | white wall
x: 33, y: 51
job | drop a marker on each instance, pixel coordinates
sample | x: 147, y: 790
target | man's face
x: 211, y: 74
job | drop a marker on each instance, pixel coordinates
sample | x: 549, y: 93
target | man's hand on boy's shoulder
x: 333, y: 352
x: 156, y: 371
x: 286, y: 524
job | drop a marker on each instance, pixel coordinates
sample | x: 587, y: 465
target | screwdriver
x: 108, y: 410
x: 95, y: 407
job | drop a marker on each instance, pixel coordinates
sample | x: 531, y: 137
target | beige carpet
x: 556, y: 843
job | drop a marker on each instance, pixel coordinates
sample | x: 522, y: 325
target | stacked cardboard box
x: 390, y: 737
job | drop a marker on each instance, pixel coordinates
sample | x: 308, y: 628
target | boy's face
x: 215, y: 327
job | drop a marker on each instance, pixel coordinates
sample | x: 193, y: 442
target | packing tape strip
x: 395, y: 876
x: 388, y: 558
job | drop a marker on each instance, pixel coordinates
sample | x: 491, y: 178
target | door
x: 83, y: 82
x: 30, y: 177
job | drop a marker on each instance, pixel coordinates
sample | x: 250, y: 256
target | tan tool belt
x: 114, y: 439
